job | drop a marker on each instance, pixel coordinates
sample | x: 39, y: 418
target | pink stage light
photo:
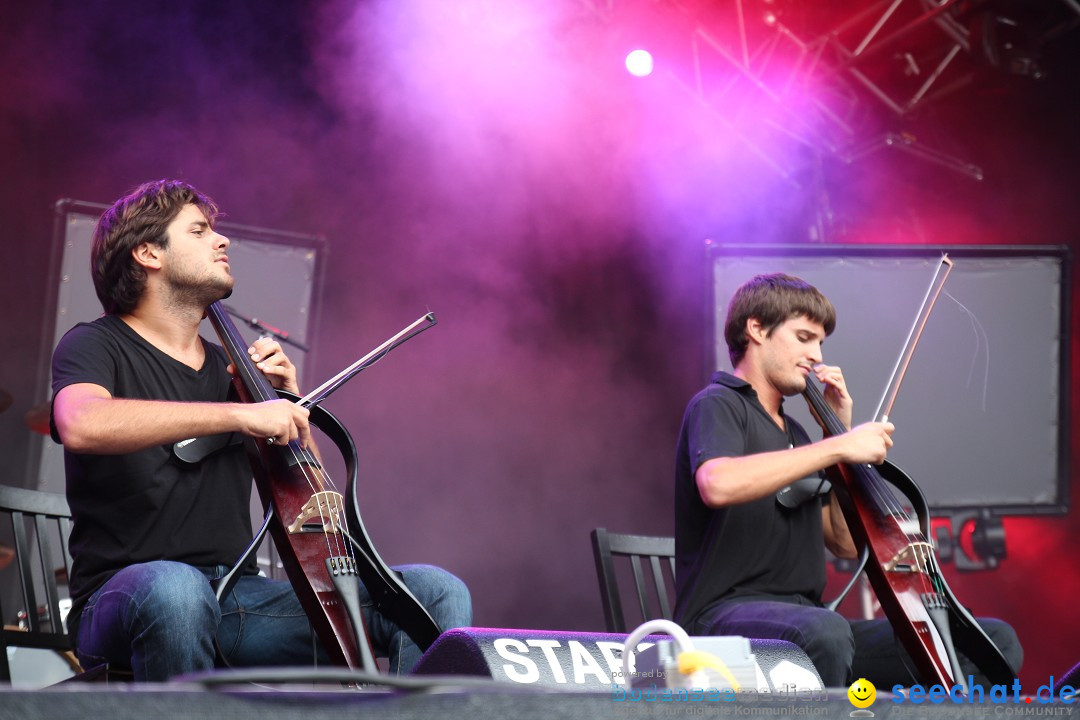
x: 639, y: 63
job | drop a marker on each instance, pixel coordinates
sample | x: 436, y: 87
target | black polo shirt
x: 755, y: 548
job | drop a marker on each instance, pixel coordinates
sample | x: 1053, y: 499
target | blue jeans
x: 160, y: 620
x: 842, y: 650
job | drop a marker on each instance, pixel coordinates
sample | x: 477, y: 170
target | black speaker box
x: 579, y: 660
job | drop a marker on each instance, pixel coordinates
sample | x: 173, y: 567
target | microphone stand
x: 259, y: 325
x: 320, y: 393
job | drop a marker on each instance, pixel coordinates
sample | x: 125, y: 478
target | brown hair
x: 773, y: 299
x: 141, y: 216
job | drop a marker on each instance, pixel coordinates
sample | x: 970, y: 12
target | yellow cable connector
x: 695, y: 661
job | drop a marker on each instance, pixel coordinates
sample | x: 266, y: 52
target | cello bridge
x: 916, y: 557
x: 321, y: 513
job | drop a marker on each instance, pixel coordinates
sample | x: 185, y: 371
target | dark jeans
x: 842, y: 650
x: 160, y: 619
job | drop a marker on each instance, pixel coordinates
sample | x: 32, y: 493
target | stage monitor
x: 982, y: 415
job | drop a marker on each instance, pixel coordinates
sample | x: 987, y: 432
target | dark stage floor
x: 165, y: 702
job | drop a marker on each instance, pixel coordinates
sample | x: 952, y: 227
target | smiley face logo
x: 862, y: 693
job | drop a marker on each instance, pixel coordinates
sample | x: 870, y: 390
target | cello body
x: 315, y: 537
x: 903, y: 568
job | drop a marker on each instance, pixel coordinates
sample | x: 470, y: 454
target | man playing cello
x: 149, y: 533
x: 747, y: 563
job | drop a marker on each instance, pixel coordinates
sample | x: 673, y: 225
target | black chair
x: 652, y: 562
x: 40, y: 524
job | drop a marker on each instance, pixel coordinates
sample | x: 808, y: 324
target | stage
x: 497, y: 673
x: 445, y: 697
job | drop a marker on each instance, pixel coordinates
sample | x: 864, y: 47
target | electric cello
x: 901, y: 563
x: 320, y: 538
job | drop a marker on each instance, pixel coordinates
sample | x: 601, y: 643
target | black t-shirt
x: 146, y: 505
x: 758, y: 547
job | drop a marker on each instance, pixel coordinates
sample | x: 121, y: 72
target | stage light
x: 639, y: 63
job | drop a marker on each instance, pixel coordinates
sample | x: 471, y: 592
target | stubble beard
x: 198, y: 293
x: 794, y: 387
x: 788, y: 383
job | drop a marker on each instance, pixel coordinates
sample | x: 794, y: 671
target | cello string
x: 332, y: 513
x: 885, y: 501
x: 258, y: 384
x: 884, y: 497
x: 335, y: 509
x: 921, y: 554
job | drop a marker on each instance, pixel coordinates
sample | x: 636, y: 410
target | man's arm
x: 837, y: 537
x: 90, y: 420
x: 733, y: 480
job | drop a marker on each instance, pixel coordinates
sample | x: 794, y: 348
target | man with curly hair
x: 150, y: 533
